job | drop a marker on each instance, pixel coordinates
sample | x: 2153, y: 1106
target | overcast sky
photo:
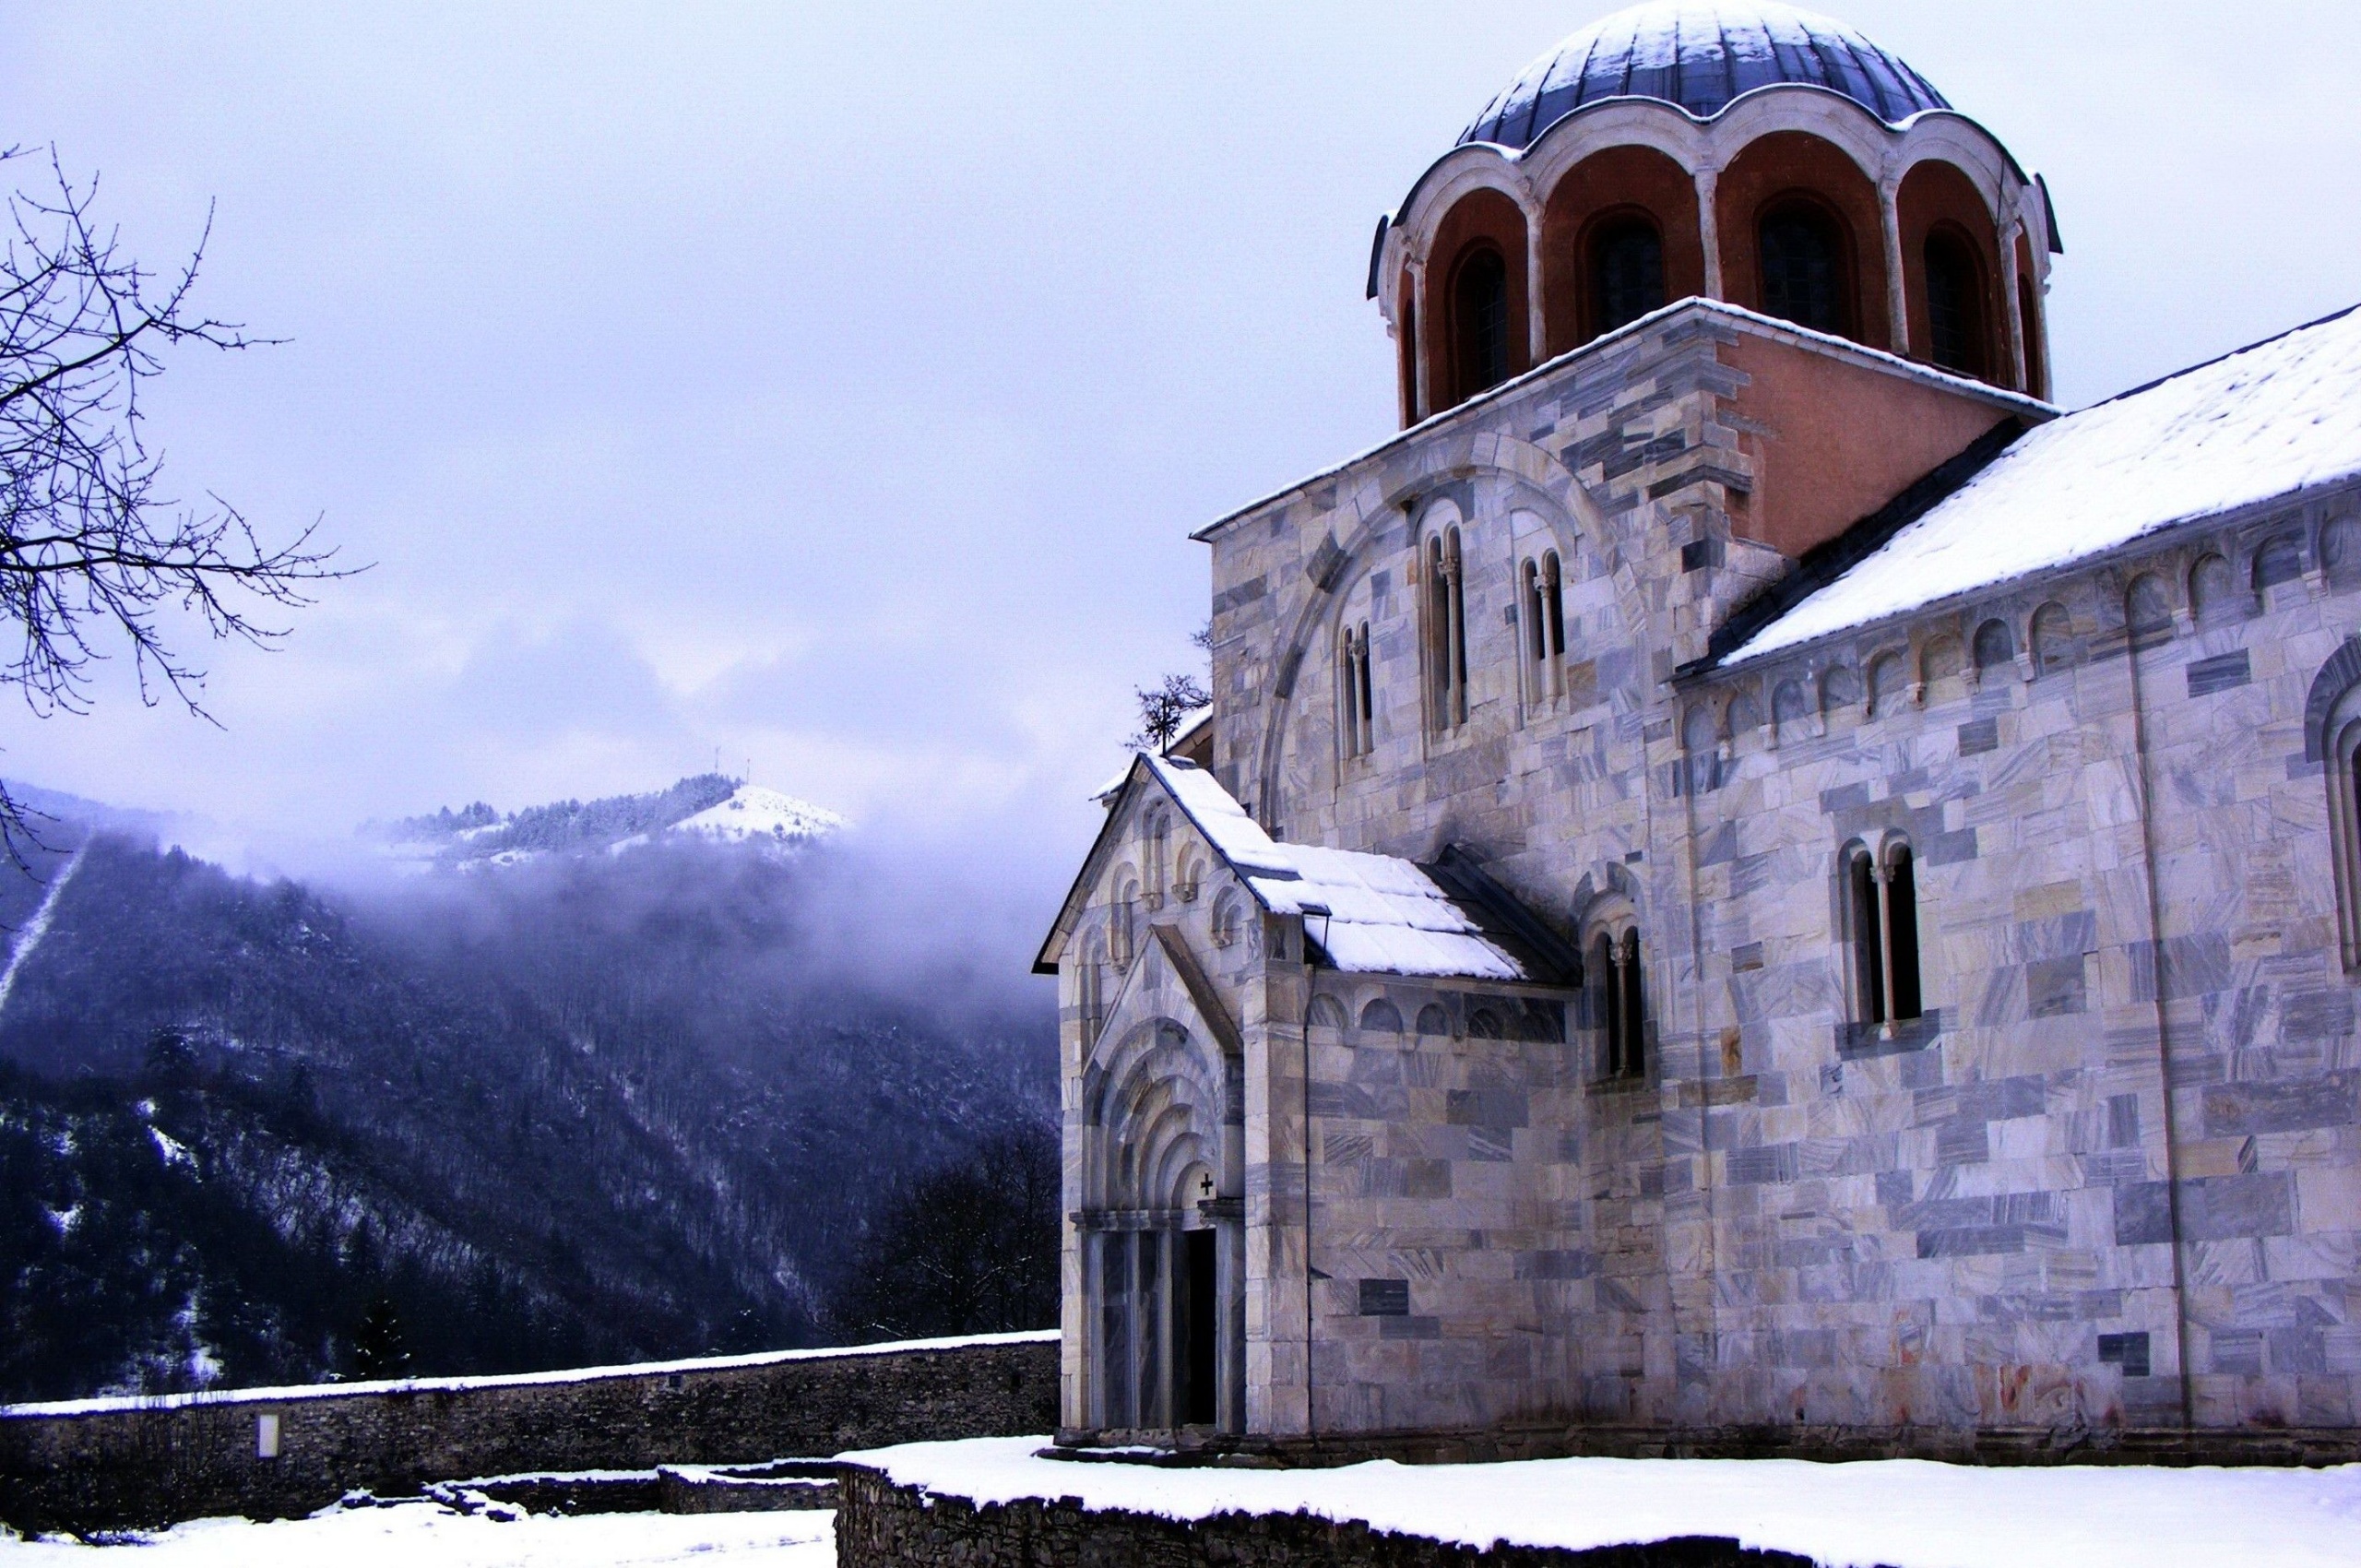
x: 833, y: 387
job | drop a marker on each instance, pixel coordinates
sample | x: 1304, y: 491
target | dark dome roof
x: 1701, y: 55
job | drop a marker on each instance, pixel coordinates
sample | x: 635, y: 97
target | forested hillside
x: 593, y: 1107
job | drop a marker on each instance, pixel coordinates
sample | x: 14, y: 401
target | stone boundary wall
x: 114, y: 1464
x: 880, y: 1525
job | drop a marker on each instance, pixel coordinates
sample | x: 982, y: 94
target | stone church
x: 1749, y: 885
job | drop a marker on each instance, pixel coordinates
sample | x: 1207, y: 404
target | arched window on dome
x: 1802, y: 250
x: 1626, y: 271
x: 1480, y: 304
x: 1955, y: 329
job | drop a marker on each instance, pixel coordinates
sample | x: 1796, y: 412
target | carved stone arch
x: 1790, y: 712
x: 1604, y: 881
x: 2212, y: 589
x: 1367, y: 521
x: 2332, y: 738
x: 2338, y: 552
x: 1451, y: 179
x: 1608, y: 122
x: 2339, y: 674
x: 1956, y: 138
x: 1152, y: 1100
x: 1851, y: 128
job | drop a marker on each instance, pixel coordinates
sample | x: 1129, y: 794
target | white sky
x: 836, y: 387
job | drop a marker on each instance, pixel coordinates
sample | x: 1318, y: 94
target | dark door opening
x: 1199, y: 1322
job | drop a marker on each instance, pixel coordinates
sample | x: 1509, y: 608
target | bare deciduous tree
x: 1164, y: 709
x: 91, y: 548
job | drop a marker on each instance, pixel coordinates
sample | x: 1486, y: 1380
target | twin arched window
x: 1881, y: 913
x: 1480, y: 298
x: 1802, y: 254
x: 1616, y: 994
x: 1626, y: 271
x: 1446, y: 629
x: 1545, y: 621
x: 1356, y: 707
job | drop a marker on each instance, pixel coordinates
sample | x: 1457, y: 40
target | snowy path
x: 410, y: 1534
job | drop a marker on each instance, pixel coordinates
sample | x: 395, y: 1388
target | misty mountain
x: 589, y: 1106
x: 711, y: 806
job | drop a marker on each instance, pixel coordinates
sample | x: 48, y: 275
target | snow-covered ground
x: 1907, y: 1513
x: 406, y: 1535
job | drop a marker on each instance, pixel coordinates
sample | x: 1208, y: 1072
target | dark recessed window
x: 1954, y: 305
x: 1480, y: 304
x: 1802, y: 268
x: 1627, y: 272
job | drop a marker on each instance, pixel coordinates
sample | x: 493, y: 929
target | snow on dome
x: 2277, y: 417
x: 1701, y: 56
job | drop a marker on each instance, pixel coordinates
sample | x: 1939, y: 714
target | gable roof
x: 1364, y: 913
x: 2275, y: 417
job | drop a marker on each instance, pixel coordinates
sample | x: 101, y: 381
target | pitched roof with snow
x: 2279, y: 416
x: 1364, y: 913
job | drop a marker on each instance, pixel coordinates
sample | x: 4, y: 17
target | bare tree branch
x: 93, y: 553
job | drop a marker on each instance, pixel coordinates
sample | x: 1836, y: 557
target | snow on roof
x: 2273, y: 418
x: 1370, y: 914
x: 510, y: 1380
x: 1906, y: 1512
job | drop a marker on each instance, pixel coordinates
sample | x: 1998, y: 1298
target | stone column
x: 1422, y: 337
x: 2019, y: 360
x: 1536, y: 326
x: 1709, y: 233
x: 1897, y: 295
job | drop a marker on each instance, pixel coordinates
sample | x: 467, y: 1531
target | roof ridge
x: 2219, y: 358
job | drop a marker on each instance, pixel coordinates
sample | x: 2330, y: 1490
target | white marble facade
x: 2100, y: 1173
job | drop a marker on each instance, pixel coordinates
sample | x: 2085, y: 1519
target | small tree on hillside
x: 380, y: 1349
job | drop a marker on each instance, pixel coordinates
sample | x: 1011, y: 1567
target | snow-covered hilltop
x: 711, y: 806
x: 755, y: 814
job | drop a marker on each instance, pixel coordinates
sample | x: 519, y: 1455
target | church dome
x: 1701, y: 54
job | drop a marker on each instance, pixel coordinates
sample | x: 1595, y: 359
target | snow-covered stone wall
x: 278, y: 1453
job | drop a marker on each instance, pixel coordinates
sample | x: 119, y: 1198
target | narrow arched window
x: 1353, y: 708
x: 1479, y: 295
x: 1366, y: 721
x: 1446, y: 631
x: 1554, y: 605
x: 1626, y: 271
x: 1803, y: 266
x: 1955, y: 335
x: 1628, y: 1054
x: 1091, y: 988
x: 1544, y: 614
x: 1868, y: 935
x: 1881, y: 908
x: 1615, y: 1001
